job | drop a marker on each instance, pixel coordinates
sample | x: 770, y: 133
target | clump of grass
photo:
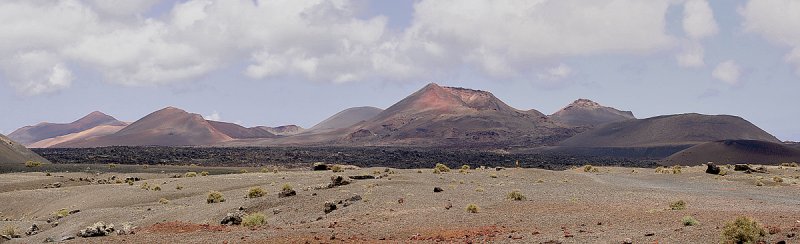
x: 256, y: 192
x: 590, y: 169
x: 419, y: 171
x: 275, y: 171
x: 539, y: 181
x: 493, y: 175
x: 215, y: 197
x: 464, y: 169
x: 156, y: 188
x: 254, y: 220
x: 442, y: 168
x: 792, y: 164
x: 243, y: 171
x: 479, y: 189
x: 163, y: 201
x: 11, y: 231
x: 33, y: 164
x: 178, y: 187
x: 759, y: 183
x: 264, y: 170
x: 472, y: 208
x: 204, y: 173
x: 723, y: 172
x: 660, y: 170
x: 516, y: 195
x: 673, y: 170
x: 61, y: 213
x: 286, y: 187
x: 743, y: 230
x: 677, y: 205
x: 689, y: 221
x: 145, y: 186
x: 190, y: 174
x: 337, y: 168
x: 676, y: 169
x: 111, y: 166
x: 777, y: 179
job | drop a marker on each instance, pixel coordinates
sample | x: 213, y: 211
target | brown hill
x: 30, y: 134
x: 284, y: 130
x: 166, y: 127
x: 735, y: 152
x: 12, y: 152
x: 240, y: 132
x: 345, y: 119
x: 97, y: 131
x: 584, y: 112
x: 669, y: 130
x: 437, y: 115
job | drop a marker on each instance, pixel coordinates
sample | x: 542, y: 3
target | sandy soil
x: 569, y: 206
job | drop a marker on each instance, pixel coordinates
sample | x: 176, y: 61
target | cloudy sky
x: 267, y: 62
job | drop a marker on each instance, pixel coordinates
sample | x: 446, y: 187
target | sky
x: 271, y: 62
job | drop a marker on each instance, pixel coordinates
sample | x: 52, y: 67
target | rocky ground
x: 613, y: 205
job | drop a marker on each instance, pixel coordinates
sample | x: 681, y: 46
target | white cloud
x: 37, y: 72
x: 556, y: 73
x: 698, y: 24
x: 727, y: 72
x: 698, y: 19
x: 777, y: 21
x: 213, y: 116
x: 122, y: 8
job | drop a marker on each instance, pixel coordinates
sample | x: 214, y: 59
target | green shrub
x: 144, y: 186
x: 436, y: 171
x: 676, y: 169
x: 689, y: 221
x: 31, y: 164
x: 111, y: 166
x: 442, y: 168
x: 743, y: 230
x: 157, y: 188
x: 516, y: 196
x: 479, y: 189
x: 493, y: 175
x: 191, y: 174
x: 677, y: 205
x: 337, y: 168
x: 11, y: 231
x: 204, y: 173
x: 759, y: 183
x: 163, y: 201
x: 254, y: 220
x: 660, y: 170
x: 472, y: 208
x: 256, y: 192
x: 264, y: 170
x: 286, y: 187
x: 215, y: 197
x: 777, y: 179
x: 590, y: 169
x: 61, y: 213
x: 243, y: 171
x: 178, y: 187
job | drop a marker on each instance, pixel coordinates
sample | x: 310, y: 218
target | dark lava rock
x: 712, y: 169
x: 741, y: 167
x: 437, y: 189
x: 320, y: 166
x: 338, y: 181
x: 287, y: 193
x: 362, y: 177
x: 329, y: 207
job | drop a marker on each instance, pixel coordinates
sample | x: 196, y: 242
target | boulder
x: 329, y: 207
x: 126, y: 229
x: 287, y: 193
x: 437, y: 189
x: 234, y: 218
x: 97, y: 229
x: 712, y: 169
x: 320, y: 166
x: 33, y: 230
x: 338, y: 181
x: 741, y: 167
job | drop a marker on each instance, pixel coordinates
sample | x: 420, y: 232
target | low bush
x: 516, y: 196
x: 677, y: 205
x: 178, y: 187
x: 31, y: 164
x: 61, y: 213
x: 144, y: 186
x: 442, y: 168
x: 337, y: 168
x: 111, y: 166
x: 777, y: 179
x: 689, y: 221
x: 256, y: 192
x: 163, y: 201
x: 190, y: 174
x: 11, y: 231
x: 254, y: 220
x: 156, y: 188
x: 472, y: 208
x: 204, y: 173
x: 215, y: 197
x: 743, y: 230
x: 590, y: 169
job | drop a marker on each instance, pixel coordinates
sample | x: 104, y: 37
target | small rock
x: 126, y: 229
x: 97, y: 229
x: 66, y: 238
x: 712, y: 169
x: 234, y: 218
x: 338, y: 181
x: 287, y: 193
x: 437, y: 189
x: 790, y: 235
x: 276, y: 211
x: 448, y: 206
x: 649, y: 234
x: 362, y: 177
x: 49, y: 239
x: 320, y: 166
x: 33, y: 230
x: 329, y: 207
x: 627, y: 241
x: 741, y: 167
x: 74, y: 211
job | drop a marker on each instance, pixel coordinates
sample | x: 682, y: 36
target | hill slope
x: 240, y: 132
x: 346, y: 118
x: 30, y: 134
x: 584, y: 112
x: 14, y: 153
x: 736, y: 151
x: 437, y: 115
x: 166, y: 127
x: 283, y: 130
x: 669, y: 130
x: 97, y: 131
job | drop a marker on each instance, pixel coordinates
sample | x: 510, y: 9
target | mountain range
x: 434, y: 116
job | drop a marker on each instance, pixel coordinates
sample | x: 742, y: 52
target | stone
x: 234, y: 218
x: 126, y: 229
x: 362, y: 177
x: 97, y: 229
x: 287, y: 193
x: 741, y: 167
x: 320, y: 166
x: 627, y: 241
x: 66, y: 238
x: 712, y: 169
x: 32, y: 231
x: 338, y: 181
x: 329, y: 207
x: 437, y: 189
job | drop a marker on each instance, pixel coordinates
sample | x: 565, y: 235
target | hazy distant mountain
x: 437, y: 115
x: 346, y: 118
x: 97, y: 131
x: 166, y: 127
x: 668, y: 130
x: 30, y: 134
x: 736, y: 151
x: 240, y: 132
x: 14, y: 153
x: 584, y: 112
x: 284, y: 130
